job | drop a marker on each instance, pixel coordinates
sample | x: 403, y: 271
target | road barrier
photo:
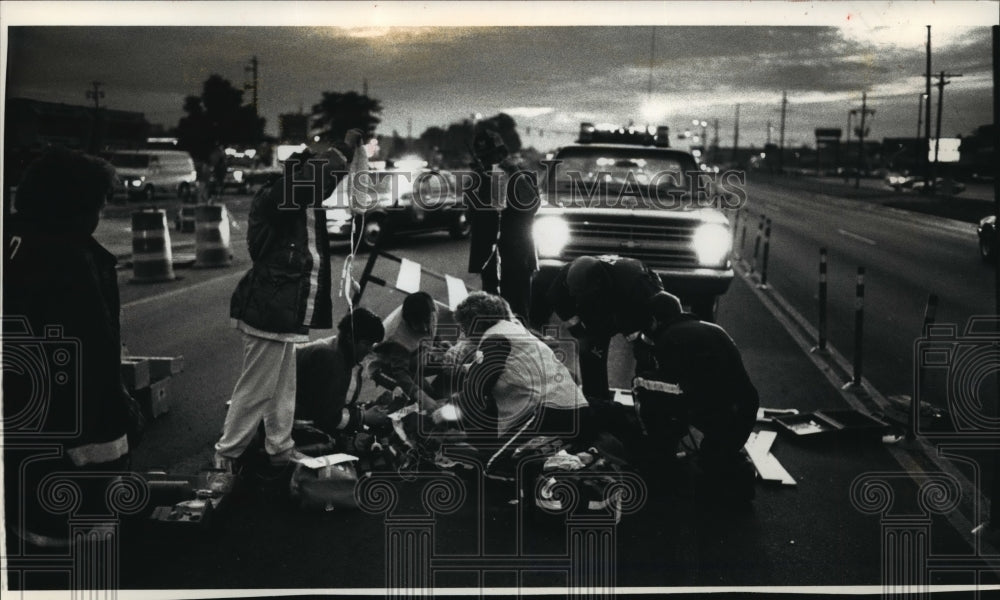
x: 152, y: 256
x: 767, y: 248
x: 822, y: 327
x: 212, y: 236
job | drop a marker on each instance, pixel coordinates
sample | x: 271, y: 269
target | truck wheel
x: 370, y: 234
x: 705, y: 307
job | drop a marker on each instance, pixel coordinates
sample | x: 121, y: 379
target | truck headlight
x: 551, y: 236
x: 238, y: 176
x: 712, y: 244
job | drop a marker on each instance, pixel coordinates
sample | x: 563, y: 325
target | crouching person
x: 699, y: 380
x: 515, y: 386
x: 328, y: 371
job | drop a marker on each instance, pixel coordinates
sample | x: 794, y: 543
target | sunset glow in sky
x: 549, y: 67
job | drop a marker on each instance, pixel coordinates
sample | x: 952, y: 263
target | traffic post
x: 859, y: 320
x: 756, y: 243
x: 930, y: 315
x: 821, y: 326
x: 767, y: 247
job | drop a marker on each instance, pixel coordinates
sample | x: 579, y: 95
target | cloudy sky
x: 550, y: 67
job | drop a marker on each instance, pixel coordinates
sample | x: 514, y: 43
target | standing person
x: 501, y: 212
x: 285, y: 293
x: 61, y: 306
x: 698, y: 378
x: 598, y: 298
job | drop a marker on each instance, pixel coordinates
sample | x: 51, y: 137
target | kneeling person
x: 699, y: 380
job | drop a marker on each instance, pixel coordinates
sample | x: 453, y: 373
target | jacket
x: 518, y: 374
x: 705, y: 365
x: 61, y: 326
x: 620, y: 305
x: 288, y: 288
x: 514, y: 221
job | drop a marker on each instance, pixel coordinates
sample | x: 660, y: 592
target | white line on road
x: 855, y: 236
x: 182, y: 290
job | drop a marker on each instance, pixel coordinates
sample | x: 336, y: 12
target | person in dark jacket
x: 326, y: 368
x: 285, y: 293
x: 698, y: 379
x: 598, y: 298
x: 62, y: 387
x: 501, y: 212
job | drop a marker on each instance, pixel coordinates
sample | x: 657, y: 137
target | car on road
x: 635, y: 200
x: 987, y: 236
x: 145, y: 174
x: 905, y: 181
x: 396, y: 202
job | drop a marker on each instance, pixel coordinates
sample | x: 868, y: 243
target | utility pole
x: 920, y: 113
x: 715, y: 141
x: 364, y: 87
x: 96, y: 94
x: 252, y: 85
x: 927, y: 117
x: 736, y: 133
x: 861, y: 138
x: 409, y: 129
x: 781, y: 138
x: 937, y: 134
x: 769, y: 128
x: 847, y: 141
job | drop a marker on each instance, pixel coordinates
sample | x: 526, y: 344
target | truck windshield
x: 129, y: 161
x: 613, y: 165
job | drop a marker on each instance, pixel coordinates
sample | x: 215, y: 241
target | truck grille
x: 663, y: 243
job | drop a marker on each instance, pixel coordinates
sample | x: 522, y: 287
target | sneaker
x: 288, y: 456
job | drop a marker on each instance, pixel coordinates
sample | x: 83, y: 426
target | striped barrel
x: 211, y: 236
x: 185, y: 220
x: 152, y: 258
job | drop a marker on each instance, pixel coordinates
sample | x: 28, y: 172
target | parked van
x: 144, y: 174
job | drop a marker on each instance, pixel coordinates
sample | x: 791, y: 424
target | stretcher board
x: 456, y: 291
x: 758, y: 446
x: 408, y: 279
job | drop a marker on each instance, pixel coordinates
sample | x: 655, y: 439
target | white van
x: 146, y: 173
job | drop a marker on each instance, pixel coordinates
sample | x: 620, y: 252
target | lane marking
x: 802, y: 332
x: 182, y: 290
x: 855, y: 236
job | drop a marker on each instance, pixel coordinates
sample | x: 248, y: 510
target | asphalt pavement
x: 864, y: 511
x: 835, y: 527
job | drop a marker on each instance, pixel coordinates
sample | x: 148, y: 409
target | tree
x: 217, y: 117
x: 339, y: 112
